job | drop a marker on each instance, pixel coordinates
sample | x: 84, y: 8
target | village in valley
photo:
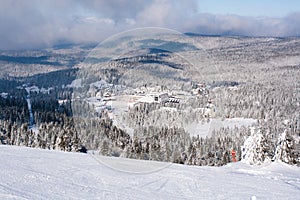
x: 103, y: 98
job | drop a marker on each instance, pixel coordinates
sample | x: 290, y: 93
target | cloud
x: 35, y: 23
x: 248, y: 26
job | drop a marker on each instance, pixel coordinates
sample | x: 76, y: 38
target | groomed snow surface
x: 28, y: 173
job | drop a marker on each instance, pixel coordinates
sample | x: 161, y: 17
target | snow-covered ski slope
x: 43, y: 174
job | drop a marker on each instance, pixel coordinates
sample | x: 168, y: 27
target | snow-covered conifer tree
x: 255, y: 149
x: 284, y: 148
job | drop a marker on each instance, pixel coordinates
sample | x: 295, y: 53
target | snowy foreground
x: 43, y: 174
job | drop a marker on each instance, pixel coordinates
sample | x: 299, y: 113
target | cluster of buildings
x: 155, y: 94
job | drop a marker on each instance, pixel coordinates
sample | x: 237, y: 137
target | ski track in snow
x: 28, y: 173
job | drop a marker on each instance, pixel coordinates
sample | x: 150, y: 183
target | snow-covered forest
x: 258, y: 79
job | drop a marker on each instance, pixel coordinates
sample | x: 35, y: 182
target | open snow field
x: 28, y: 173
x: 206, y: 129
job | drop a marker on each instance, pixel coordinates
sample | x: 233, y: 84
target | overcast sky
x: 42, y: 23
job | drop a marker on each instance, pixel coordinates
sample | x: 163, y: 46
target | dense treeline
x: 151, y: 143
x: 56, y: 128
x: 14, y: 108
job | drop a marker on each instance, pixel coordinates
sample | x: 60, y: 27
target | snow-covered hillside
x: 28, y: 173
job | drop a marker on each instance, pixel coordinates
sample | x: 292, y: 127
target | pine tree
x: 255, y: 149
x: 104, y: 148
x: 284, y: 149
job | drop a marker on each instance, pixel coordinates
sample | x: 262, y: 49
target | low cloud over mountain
x: 34, y: 23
